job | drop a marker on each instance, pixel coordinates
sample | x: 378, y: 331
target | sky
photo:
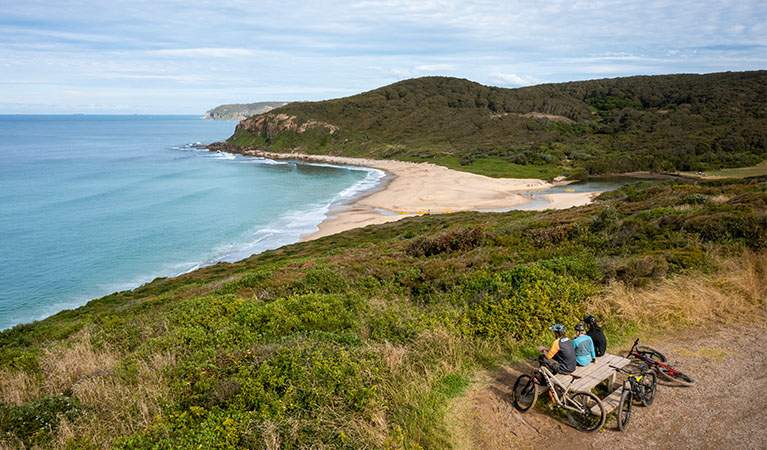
x: 185, y: 57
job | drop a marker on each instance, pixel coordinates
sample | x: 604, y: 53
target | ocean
x: 91, y: 205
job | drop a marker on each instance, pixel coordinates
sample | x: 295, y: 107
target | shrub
x: 300, y: 313
x: 34, y: 423
x: 552, y: 236
x: 693, y: 199
x: 725, y: 227
x: 459, y: 240
x: 606, y: 219
x: 574, y: 267
x: 636, y: 271
x: 305, y: 377
x: 249, y: 280
x: 321, y: 280
x: 524, y: 301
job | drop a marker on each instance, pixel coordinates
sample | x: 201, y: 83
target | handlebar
x: 621, y: 369
x: 632, y: 348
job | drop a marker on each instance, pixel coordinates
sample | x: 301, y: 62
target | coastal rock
x: 272, y: 124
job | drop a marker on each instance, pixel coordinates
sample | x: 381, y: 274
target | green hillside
x: 658, y: 123
x: 359, y: 340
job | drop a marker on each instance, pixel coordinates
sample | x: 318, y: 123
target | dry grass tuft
x: 75, y: 362
x: 736, y: 290
x: 393, y: 355
x: 112, y: 404
x: 17, y: 387
x: 119, y: 407
x: 721, y: 198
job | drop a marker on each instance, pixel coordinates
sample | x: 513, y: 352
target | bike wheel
x: 673, y: 374
x: 584, y: 419
x: 651, y: 353
x: 525, y: 393
x: 624, y: 409
x: 648, y: 386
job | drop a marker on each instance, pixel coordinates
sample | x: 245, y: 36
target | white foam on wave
x: 223, y: 155
x: 264, y: 161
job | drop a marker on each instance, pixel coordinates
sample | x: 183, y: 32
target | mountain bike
x: 640, y: 386
x: 584, y: 409
x: 657, y: 361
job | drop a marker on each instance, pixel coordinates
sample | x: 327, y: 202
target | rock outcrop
x: 272, y: 124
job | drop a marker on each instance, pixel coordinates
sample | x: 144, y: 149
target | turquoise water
x: 91, y: 205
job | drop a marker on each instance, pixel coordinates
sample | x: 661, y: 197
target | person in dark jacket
x: 560, y: 357
x: 596, y: 335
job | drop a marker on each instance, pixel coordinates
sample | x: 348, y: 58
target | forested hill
x: 661, y: 123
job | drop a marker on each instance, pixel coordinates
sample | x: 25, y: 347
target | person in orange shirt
x: 560, y: 357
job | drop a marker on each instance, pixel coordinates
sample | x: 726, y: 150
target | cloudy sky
x: 67, y: 56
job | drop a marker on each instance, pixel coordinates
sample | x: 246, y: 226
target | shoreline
x: 411, y: 188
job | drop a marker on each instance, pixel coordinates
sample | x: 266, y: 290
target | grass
x: 500, y: 168
x: 741, y: 172
x: 360, y: 340
x: 733, y: 290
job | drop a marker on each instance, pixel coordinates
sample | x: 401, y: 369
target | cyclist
x: 596, y: 335
x: 584, y: 346
x: 560, y: 357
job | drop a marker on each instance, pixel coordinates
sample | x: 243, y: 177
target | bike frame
x: 553, y: 382
x: 653, y: 363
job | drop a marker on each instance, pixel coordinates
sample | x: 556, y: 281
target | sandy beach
x: 424, y: 188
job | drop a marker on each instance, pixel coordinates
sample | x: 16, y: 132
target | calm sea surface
x: 90, y: 205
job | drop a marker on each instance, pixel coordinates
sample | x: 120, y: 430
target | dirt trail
x: 725, y: 409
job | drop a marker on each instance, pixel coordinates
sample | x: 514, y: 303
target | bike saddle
x: 576, y: 377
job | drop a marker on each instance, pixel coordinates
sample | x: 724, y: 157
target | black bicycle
x: 640, y: 387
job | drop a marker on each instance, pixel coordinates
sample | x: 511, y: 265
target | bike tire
x: 648, y: 387
x: 525, y: 393
x: 651, y: 353
x: 624, y: 409
x: 585, y: 421
x: 677, y: 376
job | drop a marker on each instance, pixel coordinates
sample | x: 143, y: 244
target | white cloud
x: 152, y: 54
x: 435, y: 67
x: 218, y: 52
x: 512, y: 79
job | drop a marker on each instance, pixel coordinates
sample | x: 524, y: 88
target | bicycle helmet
x: 558, y: 328
x: 580, y: 327
x: 590, y: 320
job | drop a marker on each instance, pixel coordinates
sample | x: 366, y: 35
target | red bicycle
x: 656, y: 360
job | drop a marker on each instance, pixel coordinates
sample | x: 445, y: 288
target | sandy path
x: 724, y: 409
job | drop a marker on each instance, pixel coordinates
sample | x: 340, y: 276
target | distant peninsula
x: 240, y: 111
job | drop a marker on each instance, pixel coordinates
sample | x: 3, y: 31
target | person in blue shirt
x: 584, y: 346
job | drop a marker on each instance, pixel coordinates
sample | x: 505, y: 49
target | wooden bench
x: 595, y: 373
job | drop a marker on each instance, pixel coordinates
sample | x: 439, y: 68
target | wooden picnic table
x: 595, y: 373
